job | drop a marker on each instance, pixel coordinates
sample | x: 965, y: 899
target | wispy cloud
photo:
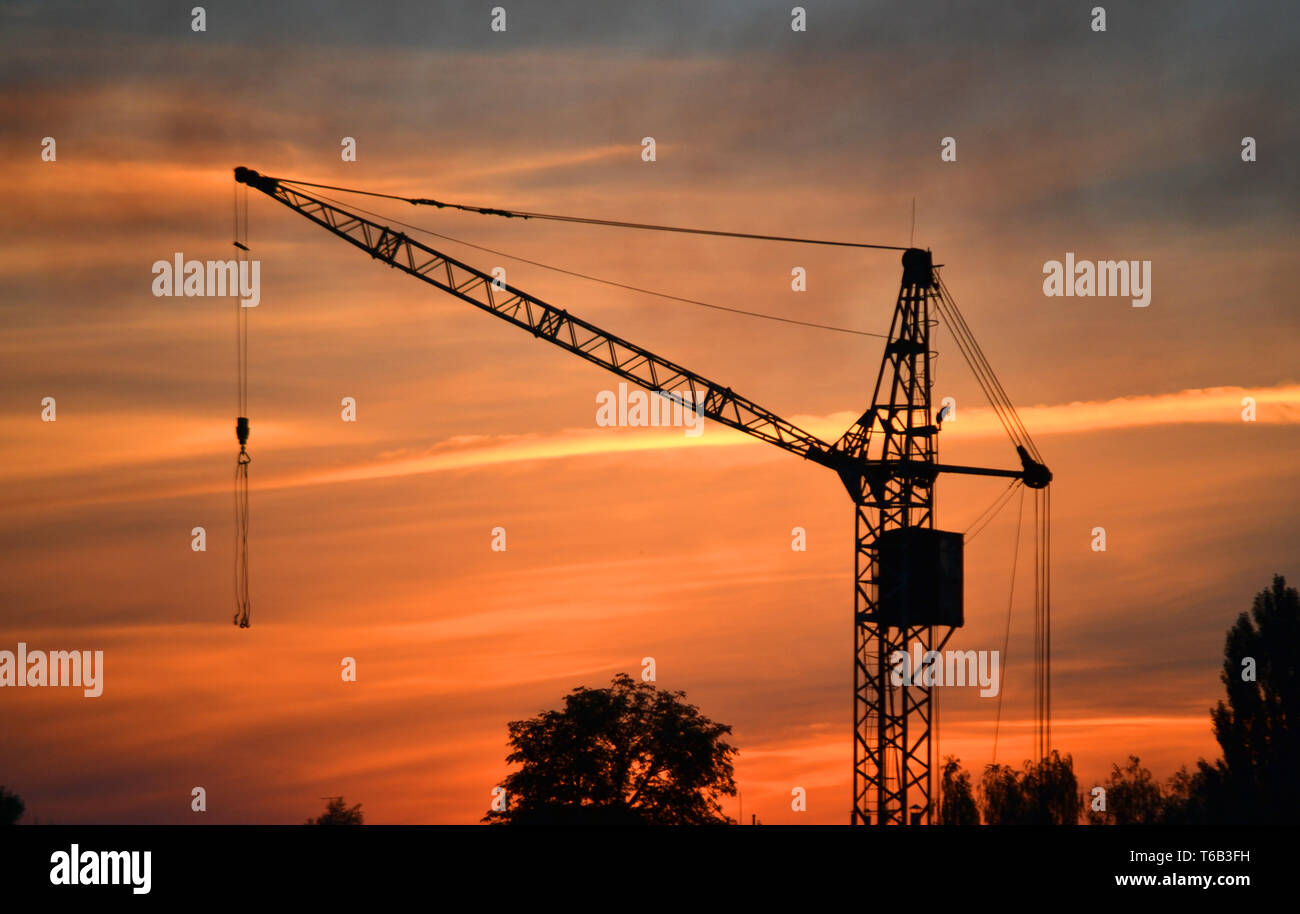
x: 103, y: 441
x: 1275, y: 405
x: 1218, y: 405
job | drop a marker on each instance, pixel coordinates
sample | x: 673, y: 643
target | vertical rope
x: 1038, y: 679
x: 243, y: 602
x: 1006, y: 635
x: 935, y: 809
x: 1047, y: 619
x: 1042, y: 622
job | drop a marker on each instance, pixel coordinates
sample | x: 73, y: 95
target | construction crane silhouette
x: 908, y: 575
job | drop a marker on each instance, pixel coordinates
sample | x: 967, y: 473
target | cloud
x: 104, y: 441
x: 1218, y: 405
x: 1276, y: 405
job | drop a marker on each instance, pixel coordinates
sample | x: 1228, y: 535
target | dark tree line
x: 1255, y: 783
x: 633, y: 754
x: 1043, y: 794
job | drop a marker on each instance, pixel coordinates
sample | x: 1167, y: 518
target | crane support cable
x: 984, y: 374
x: 979, y: 367
x: 582, y: 220
x: 606, y: 282
x: 966, y: 345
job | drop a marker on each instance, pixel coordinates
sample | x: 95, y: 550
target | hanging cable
x: 1047, y: 622
x: 1043, y: 619
x: 1042, y: 623
x: 988, y: 514
x: 1006, y: 635
x: 243, y: 602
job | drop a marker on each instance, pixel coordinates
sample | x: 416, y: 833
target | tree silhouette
x: 12, y: 807
x: 1133, y: 797
x: 1043, y: 794
x: 627, y: 754
x: 1002, y: 802
x: 1256, y: 780
x: 338, y: 813
x: 1052, y: 791
x: 1196, y: 797
x: 956, y: 798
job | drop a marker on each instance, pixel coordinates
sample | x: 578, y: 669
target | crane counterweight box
x: 920, y: 581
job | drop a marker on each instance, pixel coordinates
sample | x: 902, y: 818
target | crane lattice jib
x: 544, y: 321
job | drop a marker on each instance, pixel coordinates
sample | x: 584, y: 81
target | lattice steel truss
x: 887, y: 461
x: 895, y: 440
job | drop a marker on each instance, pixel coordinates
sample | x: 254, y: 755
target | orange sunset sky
x: 371, y: 539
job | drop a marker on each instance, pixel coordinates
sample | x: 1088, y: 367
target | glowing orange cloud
x: 103, y: 441
x: 1279, y: 405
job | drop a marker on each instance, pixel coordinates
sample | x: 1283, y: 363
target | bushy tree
x: 11, y: 807
x: 627, y: 754
x: 1051, y: 791
x: 956, y: 797
x: 1196, y: 797
x: 1001, y: 800
x: 338, y: 812
x: 1132, y: 797
x: 1046, y: 793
